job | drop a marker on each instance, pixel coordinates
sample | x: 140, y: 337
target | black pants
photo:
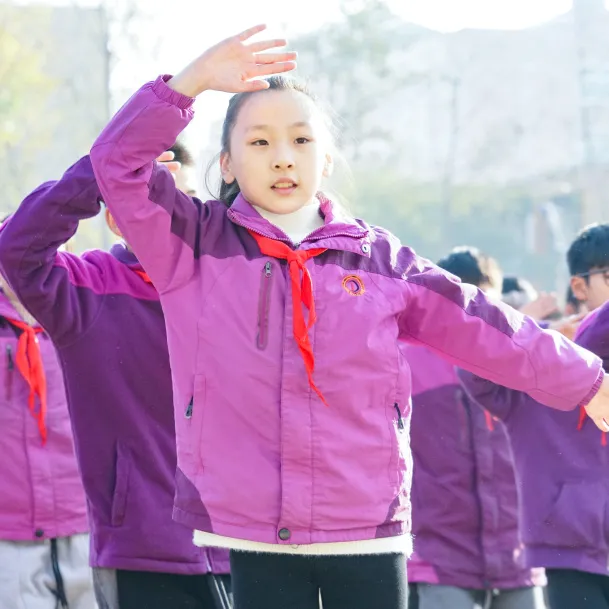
x: 146, y: 590
x: 570, y: 589
x: 280, y: 581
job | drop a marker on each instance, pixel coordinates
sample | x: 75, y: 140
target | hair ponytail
x: 228, y: 192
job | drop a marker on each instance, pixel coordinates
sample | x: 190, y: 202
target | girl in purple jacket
x: 44, y: 541
x: 284, y: 320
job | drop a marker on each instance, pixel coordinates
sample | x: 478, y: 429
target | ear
x: 580, y: 288
x: 225, y: 168
x: 112, y: 224
x: 328, y: 166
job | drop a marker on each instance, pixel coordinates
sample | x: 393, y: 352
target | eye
x: 260, y: 143
x: 302, y: 140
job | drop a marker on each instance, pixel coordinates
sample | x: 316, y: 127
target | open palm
x: 231, y: 65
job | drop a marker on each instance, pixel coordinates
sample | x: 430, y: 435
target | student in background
x: 104, y: 316
x: 44, y: 545
x: 465, y: 505
x: 561, y: 460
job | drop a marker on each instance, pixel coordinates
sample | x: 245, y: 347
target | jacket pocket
x: 264, y: 304
x: 194, y: 415
x: 9, y: 377
x: 575, y: 518
x: 121, y: 486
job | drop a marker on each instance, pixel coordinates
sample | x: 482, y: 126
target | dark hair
x: 511, y: 283
x: 571, y: 299
x: 470, y: 265
x: 182, y: 154
x: 228, y: 192
x: 589, y: 250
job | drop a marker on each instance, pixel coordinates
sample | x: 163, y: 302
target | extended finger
x: 251, y: 32
x: 254, y: 85
x: 262, y: 70
x: 267, y: 58
x: 168, y: 155
x: 266, y: 45
x: 173, y: 166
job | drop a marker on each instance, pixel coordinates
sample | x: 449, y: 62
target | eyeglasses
x: 603, y: 271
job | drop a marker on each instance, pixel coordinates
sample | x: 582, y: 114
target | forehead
x: 278, y: 109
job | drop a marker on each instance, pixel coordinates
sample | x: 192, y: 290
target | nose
x: 284, y: 158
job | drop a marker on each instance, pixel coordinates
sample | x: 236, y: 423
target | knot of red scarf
x: 302, y: 294
x: 29, y: 364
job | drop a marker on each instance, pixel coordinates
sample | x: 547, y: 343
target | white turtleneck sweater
x: 297, y: 225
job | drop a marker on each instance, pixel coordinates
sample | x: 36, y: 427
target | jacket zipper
x: 400, y: 419
x: 264, y: 302
x: 472, y: 443
x: 10, y: 367
x: 188, y: 413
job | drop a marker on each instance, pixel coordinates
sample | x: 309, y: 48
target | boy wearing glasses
x: 588, y: 260
x: 562, y: 462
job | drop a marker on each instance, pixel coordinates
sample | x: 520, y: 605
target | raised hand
x: 231, y: 65
x: 539, y: 309
x: 167, y: 159
x: 568, y: 325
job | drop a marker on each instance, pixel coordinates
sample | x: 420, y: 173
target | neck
x: 297, y: 224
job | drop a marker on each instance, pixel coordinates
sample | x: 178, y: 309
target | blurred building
x: 507, y: 105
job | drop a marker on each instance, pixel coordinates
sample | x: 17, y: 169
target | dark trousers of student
x: 570, y: 589
x: 148, y: 590
x: 282, y: 581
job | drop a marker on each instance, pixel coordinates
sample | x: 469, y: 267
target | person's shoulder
x: 594, y: 329
x: 388, y: 248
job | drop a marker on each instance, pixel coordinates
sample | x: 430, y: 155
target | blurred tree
x: 353, y: 64
x: 25, y: 88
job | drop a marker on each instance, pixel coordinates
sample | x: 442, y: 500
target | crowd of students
x: 252, y: 385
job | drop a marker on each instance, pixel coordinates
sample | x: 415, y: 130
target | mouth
x: 284, y: 186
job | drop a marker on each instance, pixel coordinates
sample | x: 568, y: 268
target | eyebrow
x: 267, y: 127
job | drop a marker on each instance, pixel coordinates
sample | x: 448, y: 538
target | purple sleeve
x: 161, y: 224
x: 494, y: 341
x: 43, y: 278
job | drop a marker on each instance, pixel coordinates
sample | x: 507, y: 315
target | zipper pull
x: 267, y: 269
x: 9, y: 357
x: 188, y: 413
x: 400, y: 420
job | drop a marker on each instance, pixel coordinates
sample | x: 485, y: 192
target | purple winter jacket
x: 108, y: 327
x: 562, y: 467
x: 259, y: 455
x: 464, y: 498
x: 41, y: 494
